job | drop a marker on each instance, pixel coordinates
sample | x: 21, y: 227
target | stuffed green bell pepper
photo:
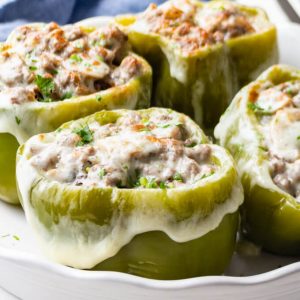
x: 261, y: 128
x: 142, y: 192
x: 51, y: 74
x: 201, y: 54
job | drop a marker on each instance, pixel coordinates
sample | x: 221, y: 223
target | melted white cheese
x: 284, y: 133
x: 106, y: 241
x: 278, y: 132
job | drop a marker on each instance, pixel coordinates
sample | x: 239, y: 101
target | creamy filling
x: 278, y: 110
x: 51, y: 63
x: 191, y: 27
x: 156, y: 150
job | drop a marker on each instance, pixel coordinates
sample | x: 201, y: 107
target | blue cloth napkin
x: 16, y: 12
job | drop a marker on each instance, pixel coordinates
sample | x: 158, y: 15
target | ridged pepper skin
x: 270, y: 216
x: 20, y: 122
x: 155, y: 233
x: 202, y: 84
x: 8, y: 150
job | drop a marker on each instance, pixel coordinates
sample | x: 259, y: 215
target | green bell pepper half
x: 270, y: 216
x: 202, y: 84
x: 156, y: 233
x: 25, y: 120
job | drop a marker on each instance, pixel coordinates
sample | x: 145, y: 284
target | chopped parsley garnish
x: 76, y: 58
x: 150, y: 183
x: 46, y: 87
x: 290, y: 91
x: 255, y: 107
x: 53, y: 72
x: 67, y: 95
x: 145, y: 182
x: 169, y: 124
x: 102, y: 173
x: 146, y: 128
x: 32, y: 68
x: 16, y: 237
x: 206, y: 175
x: 86, y: 64
x: 101, y: 42
x: 263, y: 148
x: 100, y: 58
x: 178, y: 177
x: 85, y: 134
x: 98, y: 98
x: 18, y: 120
x: 298, y: 137
x: 163, y: 185
x: 191, y: 145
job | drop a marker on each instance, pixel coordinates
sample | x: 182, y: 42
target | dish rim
x: 26, y: 259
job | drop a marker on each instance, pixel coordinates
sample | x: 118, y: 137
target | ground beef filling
x: 278, y: 108
x: 137, y: 151
x: 52, y: 63
x: 191, y: 27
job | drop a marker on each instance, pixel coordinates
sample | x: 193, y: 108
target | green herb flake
x: 102, y: 173
x: 98, y: 98
x: 171, y: 185
x: 298, y: 137
x: 100, y: 58
x: 178, y: 177
x: 163, y: 185
x: 32, y: 68
x: 145, y: 182
x: 18, y: 120
x: 255, y: 107
x: 146, y: 128
x: 191, y: 145
x: 290, y: 91
x: 206, y: 175
x: 16, y: 237
x: 152, y: 184
x: 67, y: 95
x: 85, y: 134
x: 145, y: 122
x: 54, y: 72
x: 88, y: 65
x: 101, y: 42
x: 76, y: 58
x: 46, y: 87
